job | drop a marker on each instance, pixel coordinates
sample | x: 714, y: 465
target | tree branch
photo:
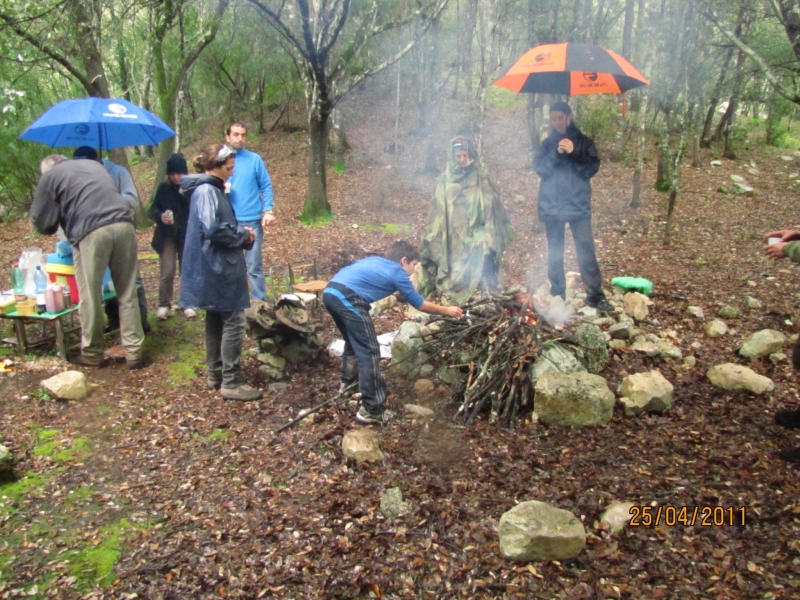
x: 283, y: 30
x: 48, y: 51
x: 790, y: 95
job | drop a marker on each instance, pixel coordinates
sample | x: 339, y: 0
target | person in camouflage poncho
x: 467, y: 231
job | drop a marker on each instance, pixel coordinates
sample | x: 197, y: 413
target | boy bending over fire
x: 347, y: 299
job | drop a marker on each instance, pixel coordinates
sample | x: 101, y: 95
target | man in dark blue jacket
x: 565, y: 162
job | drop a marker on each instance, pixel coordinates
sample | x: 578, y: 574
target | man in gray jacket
x: 127, y: 189
x: 565, y: 162
x: 81, y: 197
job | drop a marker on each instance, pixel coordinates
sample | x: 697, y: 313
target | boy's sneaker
x: 367, y: 418
x: 163, y: 313
x: 189, y: 313
x: 603, y: 307
x: 790, y: 419
x: 245, y: 393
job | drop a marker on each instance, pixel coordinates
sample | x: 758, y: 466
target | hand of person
x: 251, y: 234
x: 267, y: 219
x: 452, y: 311
x: 786, y: 235
x: 775, y: 251
x: 166, y: 218
x: 565, y: 146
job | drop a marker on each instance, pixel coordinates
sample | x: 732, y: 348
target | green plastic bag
x: 634, y: 284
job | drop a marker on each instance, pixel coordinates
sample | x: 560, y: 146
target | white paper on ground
x: 336, y: 347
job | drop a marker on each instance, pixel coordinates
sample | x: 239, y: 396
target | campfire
x: 492, y: 346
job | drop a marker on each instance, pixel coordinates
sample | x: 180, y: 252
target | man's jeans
x: 224, y: 338
x: 351, y: 315
x: 255, y: 262
x: 587, y: 260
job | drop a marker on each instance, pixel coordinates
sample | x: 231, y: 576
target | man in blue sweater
x: 251, y: 198
x: 347, y: 299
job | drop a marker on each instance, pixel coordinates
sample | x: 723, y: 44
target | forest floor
x: 154, y: 487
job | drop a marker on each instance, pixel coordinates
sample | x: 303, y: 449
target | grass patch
x: 319, y: 221
x: 48, y: 445
x: 219, y: 435
x: 81, y: 450
x: 148, y: 256
x: 95, y: 564
x: 338, y: 167
x: 10, y: 493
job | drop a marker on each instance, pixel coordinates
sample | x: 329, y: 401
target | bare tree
x: 328, y: 39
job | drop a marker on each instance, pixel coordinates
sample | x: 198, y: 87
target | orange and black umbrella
x: 571, y: 69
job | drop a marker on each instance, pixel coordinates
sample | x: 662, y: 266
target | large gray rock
x: 620, y: 331
x: 450, y: 375
x: 645, y: 392
x: 555, y: 358
x: 731, y: 376
x: 728, y: 312
x: 406, y: 356
x: 762, y: 343
x: 69, y: 385
x: 535, y: 530
x: 636, y: 305
x: 6, y: 459
x: 617, y: 515
x: 578, y: 399
x: 392, y: 505
x: 362, y: 444
x: 592, y: 348
x: 715, y: 328
x: 751, y: 302
x: 695, y: 311
x: 668, y: 350
x: 644, y: 346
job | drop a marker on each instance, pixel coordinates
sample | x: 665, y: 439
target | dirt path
x: 155, y: 488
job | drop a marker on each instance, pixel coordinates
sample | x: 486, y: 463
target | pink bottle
x: 49, y: 300
x: 58, y: 296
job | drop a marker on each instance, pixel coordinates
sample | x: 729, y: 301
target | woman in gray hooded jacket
x: 214, y: 273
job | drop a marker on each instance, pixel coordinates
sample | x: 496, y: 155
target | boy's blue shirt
x: 375, y: 277
x: 251, y: 187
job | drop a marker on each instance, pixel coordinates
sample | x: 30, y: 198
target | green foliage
x: 338, y: 167
x: 598, y: 116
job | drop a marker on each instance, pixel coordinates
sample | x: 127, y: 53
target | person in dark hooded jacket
x: 565, y: 162
x: 170, y: 211
x: 214, y: 272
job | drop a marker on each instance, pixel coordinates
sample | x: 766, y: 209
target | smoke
x: 553, y: 309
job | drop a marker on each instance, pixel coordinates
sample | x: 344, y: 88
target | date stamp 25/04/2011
x: 688, y: 516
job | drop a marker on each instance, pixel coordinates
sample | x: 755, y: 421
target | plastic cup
x: 773, y: 240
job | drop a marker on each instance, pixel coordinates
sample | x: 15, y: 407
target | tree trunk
x: 490, y: 39
x: 627, y: 29
x: 316, y: 206
x: 637, y: 173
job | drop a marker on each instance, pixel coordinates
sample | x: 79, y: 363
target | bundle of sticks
x: 495, y: 342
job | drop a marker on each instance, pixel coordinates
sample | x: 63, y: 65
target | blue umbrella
x: 103, y: 123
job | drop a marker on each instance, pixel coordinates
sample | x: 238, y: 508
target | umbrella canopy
x: 571, y: 69
x: 104, y: 123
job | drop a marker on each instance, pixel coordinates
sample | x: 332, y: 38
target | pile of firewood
x: 495, y: 344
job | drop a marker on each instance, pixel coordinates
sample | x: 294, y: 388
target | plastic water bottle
x: 18, y: 283
x: 40, y: 281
